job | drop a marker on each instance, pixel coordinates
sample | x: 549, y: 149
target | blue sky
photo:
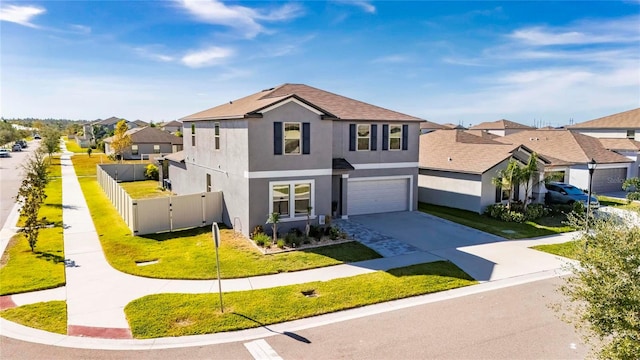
x: 444, y: 61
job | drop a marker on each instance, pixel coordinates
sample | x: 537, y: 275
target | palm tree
x: 274, y: 219
x: 508, y: 178
x: 526, y: 173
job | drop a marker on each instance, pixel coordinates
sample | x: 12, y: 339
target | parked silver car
x: 561, y: 193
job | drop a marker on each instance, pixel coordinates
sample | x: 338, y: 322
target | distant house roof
x: 431, y: 125
x: 141, y: 123
x: 500, y: 125
x: 454, y: 126
x: 482, y: 134
x: 172, y: 123
x: 564, y: 147
x: 620, y: 144
x: 150, y: 135
x: 460, y: 151
x: 107, y: 122
x: 625, y: 120
x: 328, y: 104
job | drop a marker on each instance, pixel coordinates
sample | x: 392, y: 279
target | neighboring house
x: 99, y: 129
x: 454, y: 126
x: 147, y: 142
x: 172, y: 126
x: 569, y: 152
x: 294, y: 147
x: 428, y: 126
x: 456, y: 169
x: 628, y: 148
x: 624, y: 125
x: 138, y: 123
x: 501, y: 127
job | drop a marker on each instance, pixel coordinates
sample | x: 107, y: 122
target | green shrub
x: 578, y: 207
x: 256, y: 230
x: 292, y: 239
x: 496, y: 210
x: 151, y: 172
x: 633, y: 196
x: 281, y: 243
x: 334, y: 233
x: 262, y: 239
x: 536, y: 211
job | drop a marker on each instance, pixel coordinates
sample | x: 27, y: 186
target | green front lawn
x: 190, y: 254
x: 618, y: 203
x: 545, y: 226
x: 192, y: 314
x: 48, y: 316
x: 22, y: 270
x: 144, y: 189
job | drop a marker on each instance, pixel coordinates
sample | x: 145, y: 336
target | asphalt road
x: 10, y: 178
x: 510, y: 323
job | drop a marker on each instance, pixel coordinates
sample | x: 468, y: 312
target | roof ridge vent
x: 269, y: 89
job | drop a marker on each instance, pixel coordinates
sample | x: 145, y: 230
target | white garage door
x: 608, y: 180
x: 377, y: 196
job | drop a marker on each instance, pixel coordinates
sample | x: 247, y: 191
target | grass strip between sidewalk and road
x: 190, y: 254
x: 22, y: 270
x: 49, y: 316
x: 192, y: 314
x: 567, y: 249
x: 510, y: 230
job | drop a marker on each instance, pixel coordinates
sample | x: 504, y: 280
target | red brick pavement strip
x: 6, y: 302
x: 96, y: 332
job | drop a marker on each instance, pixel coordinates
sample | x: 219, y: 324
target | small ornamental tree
x: 50, y: 140
x: 32, y: 195
x: 508, y: 178
x: 121, y: 140
x: 151, y: 172
x: 604, y: 291
x: 274, y: 219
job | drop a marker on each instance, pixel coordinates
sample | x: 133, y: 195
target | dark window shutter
x: 498, y: 194
x: 352, y: 137
x: 385, y: 137
x: 405, y: 137
x: 306, y: 138
x: 277, y: 138
x: 374, y: 137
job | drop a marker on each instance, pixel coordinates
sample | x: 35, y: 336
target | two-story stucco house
x: 294, y: 147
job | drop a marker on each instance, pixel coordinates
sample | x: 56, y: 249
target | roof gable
x: 150, y: 135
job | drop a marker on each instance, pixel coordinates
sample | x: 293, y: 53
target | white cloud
x: 81, y: 29
x: 623, y: 30
x: 20, y: 14
x: 241, y: 18
x: 150, y: 53
x: 206, y: 57
x: 366, y: 6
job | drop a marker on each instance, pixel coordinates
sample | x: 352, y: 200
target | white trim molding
x: 345, y: 176
x: 286, y: 173
x: 291, y: 100
x: 398, y: 165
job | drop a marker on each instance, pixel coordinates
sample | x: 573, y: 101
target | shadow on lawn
x: 50, y: 257
x: 61, y: 206
x: 294, y: 336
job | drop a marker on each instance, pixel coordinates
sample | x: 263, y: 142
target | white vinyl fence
x: 148, y: 216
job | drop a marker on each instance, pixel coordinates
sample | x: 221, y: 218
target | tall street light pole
x: 591, y: 165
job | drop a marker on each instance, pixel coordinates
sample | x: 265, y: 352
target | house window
x: 631, y: 134
x: 134, y: 149
x: 216, y: 135
x: 193, y: 134
x: 364, y: 133
x: 291, y: 138
x: 291, y: 199
x: 208, y: 182
x: 395, y: 137
x: 280, y: 203
x: 156, y: 149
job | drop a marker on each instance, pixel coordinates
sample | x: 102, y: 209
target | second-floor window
x: 134, y: 149
x: 631, y: 134
x: 291, y: 138
x: 395, y: 137
x: 216, y: 135
x: 193, y: 134
x: 364, y: 137
x: 156, y: 149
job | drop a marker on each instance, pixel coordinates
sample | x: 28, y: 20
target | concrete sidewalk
x: 96, y: 294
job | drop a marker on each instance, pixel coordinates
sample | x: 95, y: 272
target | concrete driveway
x: 485, y: 257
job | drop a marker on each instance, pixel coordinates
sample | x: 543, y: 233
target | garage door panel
x: 377, y: 196
x: 608, y: 180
